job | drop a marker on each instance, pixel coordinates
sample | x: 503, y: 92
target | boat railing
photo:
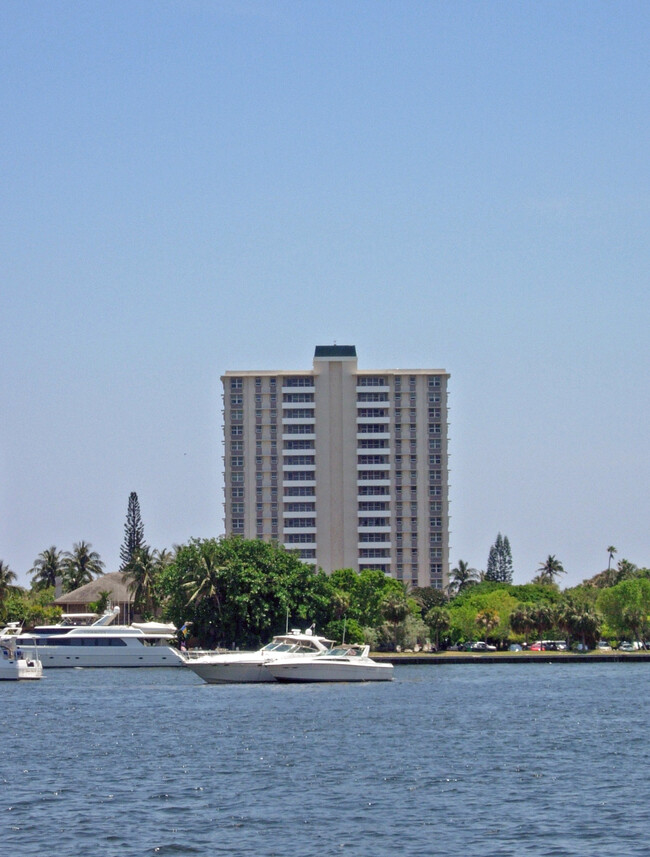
x: 193, y: 654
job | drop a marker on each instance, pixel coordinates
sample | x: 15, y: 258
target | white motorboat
x: 17, y: 662
x: 250, y: 666
x: 343, y: 663
x: 86, y: 640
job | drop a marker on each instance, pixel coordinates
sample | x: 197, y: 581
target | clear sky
x: 190, y: 187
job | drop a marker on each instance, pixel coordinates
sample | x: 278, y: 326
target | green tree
x: 549, y: 570
x: 7, y: 580
x: 499, y: 567
x: 584, y: 623
x: 438, y: 622
x: 48, y: 565
x: 427, y: 597
x: 626, y: 606
x: 133, y: 531
x: 462, y: 576
x: 141, y: 578
x: 487, y: 620
x: 521, y: 621
x: 611, y: 550
x: 394, y: 609
x: 241, y: 591
x: 80, y: 566
x: 542, y: 618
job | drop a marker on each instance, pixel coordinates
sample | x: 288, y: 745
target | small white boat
x: 237, y: 667
x: 16, y: 663
x: 343, y: 663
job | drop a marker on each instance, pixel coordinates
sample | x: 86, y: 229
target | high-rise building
x: 346, y: 466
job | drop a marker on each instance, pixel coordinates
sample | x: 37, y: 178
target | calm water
x: 531, y: 759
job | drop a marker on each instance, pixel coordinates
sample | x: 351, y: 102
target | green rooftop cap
x: 335, y: 351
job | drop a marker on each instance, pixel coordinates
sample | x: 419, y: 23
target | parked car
x: 630, y: 647
x: 482, y: 647
x: 515, y: 647
x: 604, y: 647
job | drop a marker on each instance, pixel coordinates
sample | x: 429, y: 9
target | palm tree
x: 80, y: 566
x: 48, y: 565
x: 438, y: 620
x: 487, y: 620
x: 462, y: 577
x: 542, y: 618
x: 611, y: 550
x: 394, y: 608
x: 521, y: 620
x: 549, y: 570
x: 7, y: 579
x: 140, y: 575
x: 585, y: 623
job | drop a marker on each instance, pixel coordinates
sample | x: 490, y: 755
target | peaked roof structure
x: 113, y: 582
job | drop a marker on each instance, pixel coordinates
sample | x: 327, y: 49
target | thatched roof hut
x: 114, y: 582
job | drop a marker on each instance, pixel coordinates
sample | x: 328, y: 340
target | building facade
x: 346, y: 466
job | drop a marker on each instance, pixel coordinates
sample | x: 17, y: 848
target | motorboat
x: 250, y: 666
x: 86, y: 640
x: 17, y: 662
x: 342, y: 663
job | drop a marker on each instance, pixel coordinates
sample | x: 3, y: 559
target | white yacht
x: 343, y: 663
x: 250, y: 666
x: 17, y: 662
x: 85, y: 640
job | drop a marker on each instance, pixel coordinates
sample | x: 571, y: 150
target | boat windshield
x: 344, y: 651
x: 276, y: 646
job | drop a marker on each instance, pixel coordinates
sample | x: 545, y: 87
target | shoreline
x: 441, y: 658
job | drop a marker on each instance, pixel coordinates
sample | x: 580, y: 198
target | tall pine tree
x: 499, y: 566
x: 133, y: 531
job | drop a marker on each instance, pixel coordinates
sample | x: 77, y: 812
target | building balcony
x: 289, y: 531
x: 362, y: 421
x: 385, y: 466
x: 291, y: 421
x: 365, y: 482
x: 383, y: 389
x: 371, y: 561
x: 295, y: 468
x: 385, y: 529
x: 292, y: 483
x: 290, y: 546
x: 377, y: 545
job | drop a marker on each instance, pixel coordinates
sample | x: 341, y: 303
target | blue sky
x: 191, y: 187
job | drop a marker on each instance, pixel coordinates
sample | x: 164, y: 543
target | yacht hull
x: 330, y: 672
x: 230, y: 673
x: 54, y: 657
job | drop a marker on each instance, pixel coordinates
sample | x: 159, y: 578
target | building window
x: 372, y: 412
x: 298, y: 381
x: 237, y: 461
x: 299, y: 523
x: 300, y: 491
x: 370, y: 381
x: 372, y: 459
x: 372, y: 397
x: 300, y: 538
x: 236, y: 431
x: 298, y: 397
x: 236, y: 384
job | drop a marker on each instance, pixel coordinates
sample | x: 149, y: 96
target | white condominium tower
x: 346, y: 466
